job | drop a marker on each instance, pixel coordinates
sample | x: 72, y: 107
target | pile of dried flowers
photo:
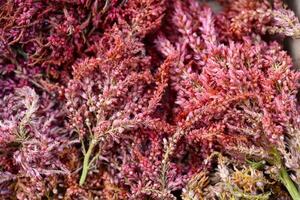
x: 148, y: 99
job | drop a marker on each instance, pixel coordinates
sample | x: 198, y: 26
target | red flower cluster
x: 148, y: 99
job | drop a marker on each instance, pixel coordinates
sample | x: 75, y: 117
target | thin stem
x: 86, y: 161
x: 289, y: 184
x: 284, y: 176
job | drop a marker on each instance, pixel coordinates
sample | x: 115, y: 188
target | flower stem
x: 86, y: 161
x: 284, y: 176
x: 289, y: 184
